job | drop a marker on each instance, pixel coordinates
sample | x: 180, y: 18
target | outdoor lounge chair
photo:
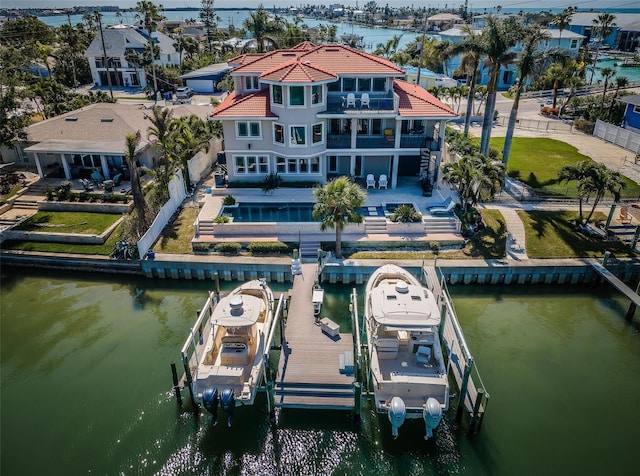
x: 371, y: 181
x: 388, y: 135
x: 97, y: 177
x: 364, y: 100
x: 382, y: 181
x: 442, y: 204
x: 443, y: 210
x: 117, y: 179
x: 88, y: 186
x: 351, y: 100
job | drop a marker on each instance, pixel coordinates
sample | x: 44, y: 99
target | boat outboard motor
x: 432, y: 414
x: 397, y: 412
x: 228, y: 403
x: 210, y: 401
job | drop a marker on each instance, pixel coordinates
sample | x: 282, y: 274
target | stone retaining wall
x: 71, y: 238
x: 91, y: 207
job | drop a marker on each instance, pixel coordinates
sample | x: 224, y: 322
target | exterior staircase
x: 375, y: 225
x: 438, y: 225
x: 205, y: 227
x: 319, y: 396
x: 25, y: 204
x: 309, y: 249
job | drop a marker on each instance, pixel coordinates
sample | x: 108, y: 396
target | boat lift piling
x: 176, y: 386
x: 357, y: 357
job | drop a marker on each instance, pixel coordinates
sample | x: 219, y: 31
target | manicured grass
x: 103, y: 250
x: 550, y: 234
x: 176, y: 236
x: 538, y: 161
x: 69, y: 222
x: 11, y: 193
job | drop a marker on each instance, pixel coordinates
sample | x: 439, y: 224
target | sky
x: 517, y: 4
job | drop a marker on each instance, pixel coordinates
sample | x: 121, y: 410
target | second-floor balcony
x: 407, y: 141
x: 355, y: 103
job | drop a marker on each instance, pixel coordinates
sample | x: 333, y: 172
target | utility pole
x: 104, y: 52
x: 73, y: 52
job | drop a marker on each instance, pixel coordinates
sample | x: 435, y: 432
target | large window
x: 316, y: 94
x: 278, y: 133
x: 363, y: 127
x: 251, y: 164
x: 296, y: 95
x: 379, y: 84
x: 277, y: 94
x: 251, y: 82
x: 318, y: 135
x: 294, y: 165
x: 364, y: 84
x: 574, y: 44
x: 299, y: 135
x: 281, y: 165
x: 348, y: 84
x: 246, y: 130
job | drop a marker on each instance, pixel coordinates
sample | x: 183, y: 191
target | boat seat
x: 387, y: 348
x: 230, y: 339
x: 423, y: 355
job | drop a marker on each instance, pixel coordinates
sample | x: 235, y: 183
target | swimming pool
x: 281, y: 212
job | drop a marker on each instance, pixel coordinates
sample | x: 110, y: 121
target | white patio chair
x: 351, y: 100
x: 371, y: 181
x: 382, y: 181
x: 364, y: 100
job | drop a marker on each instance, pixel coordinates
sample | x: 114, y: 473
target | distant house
x: 205, y: 80
x: 311, y: 113
x: 632, y: 112
x: 75, y: 144
x: 625, y: 35
x: 120, y: 40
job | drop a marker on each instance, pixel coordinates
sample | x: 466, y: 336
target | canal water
x: 85, y: 388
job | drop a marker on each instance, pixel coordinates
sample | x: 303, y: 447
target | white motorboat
x: 407, y: 367
x: 231, y: 367
x: 317, y: 298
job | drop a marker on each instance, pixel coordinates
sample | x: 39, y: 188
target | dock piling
x: 176, y: 386
x: 189, y: 379
x: 475, y: 418
x: 463, y: 389
x: 216, y: 279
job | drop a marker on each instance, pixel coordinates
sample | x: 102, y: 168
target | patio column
x: 441, y: 130
x: 38, y: 165
x: 396, y: 145
x: 354, y: 133
x: 105, y: 167
x: 394, y: 170
x: 65, y: 166
x: 352, y: 165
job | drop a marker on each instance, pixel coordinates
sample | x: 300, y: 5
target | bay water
x: 86, y: 387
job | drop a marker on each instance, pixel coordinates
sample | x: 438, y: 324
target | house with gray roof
x: 119, y: 41
x: 205, y: 80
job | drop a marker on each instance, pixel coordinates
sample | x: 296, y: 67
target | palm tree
x: 602, y: 181
x: 606, y: 74
x: 527, y: 59
x: 131, y: 142
x: 262, y: 27
x: 578, y: 173
x: 150, y: 15
x: 602, y: 28
x: 621, y: 82
x: 160, y: 129
x: 498, y: 38
x: 472, y: 49
x: 189, y: 136
x: 337, y: 203
x: 476, y: 177
x: 563, y: 19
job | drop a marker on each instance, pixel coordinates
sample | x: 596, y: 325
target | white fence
x: 617, y: 135
x: 554, y: 125
x: 177, y: 194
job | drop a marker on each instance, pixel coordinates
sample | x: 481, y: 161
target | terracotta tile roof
x: 304, y: 46
x: 415, y: 101
x: 297, y: 72
x: 245, y: 59
x: 336, y: 59
x: 252, y: 105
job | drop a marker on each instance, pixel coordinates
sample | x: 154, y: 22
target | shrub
x: 494, y: 153
x: 221, y: 219
x: 271, y: 182
x: 434, y: 246
x: 229, y: 248
x: 406, y: 213
x: 264, y: 247
x: 201, y: 247
x: 229, y: 200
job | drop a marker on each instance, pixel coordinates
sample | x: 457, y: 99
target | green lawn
x: 537, y: 162
x: 103, y: 250
x: 176, y: 236
x: 69, y: 222
x: 550, y: 234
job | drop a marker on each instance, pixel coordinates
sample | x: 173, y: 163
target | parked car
x: 184, y: 93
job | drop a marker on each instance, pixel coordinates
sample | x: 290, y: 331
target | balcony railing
x: 407, y: 141
x: 381, y: 103
x: 412, y: 141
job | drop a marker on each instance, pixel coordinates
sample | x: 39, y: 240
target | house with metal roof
x: 118, y: 42
x: 205, y: 80
x: 311, y: 113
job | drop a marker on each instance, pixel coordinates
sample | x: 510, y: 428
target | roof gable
x: 415, y: 101
x: 252, y: 105
x: 297, y: 72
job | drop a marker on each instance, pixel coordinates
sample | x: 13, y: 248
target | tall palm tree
x: 498, y: 38
x: 578, y: 173
x: 606, y: 73
x: 189, y: 136
x: 527, y: 59
x: 602, y: 180
x: 621, y: 82
x: 131, y: 142
x: 563, y: 19
x: 262, y: 27
x: 150, y: 16
x: 472, y: 49
x: 161, y: 120
x: 337, y: 204
x: 602, y: 28
x: 476, y: 177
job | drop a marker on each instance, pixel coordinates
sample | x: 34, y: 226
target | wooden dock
x: 620, y: 286
x: 308, y: 370
x: 461, y: 364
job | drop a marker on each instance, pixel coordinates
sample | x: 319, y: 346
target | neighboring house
x: 205, y: 80
x: 119, y: 40
x: 632, y: 112
x: 569, y: 41
x: 625, y: 35
x: 75, y: 144
x: 311, y: 113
